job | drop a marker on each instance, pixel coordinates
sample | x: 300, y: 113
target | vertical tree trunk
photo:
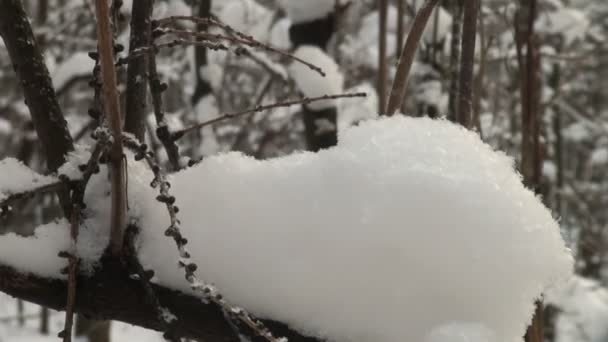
x: 457, y: 6
x: 382, y: 67
x: 136, y: 70
x: 531, y: 162
x: 467, y: 62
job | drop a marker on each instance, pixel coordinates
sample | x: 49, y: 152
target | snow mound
x: 15, y: 178
x: 405, y: 226
x: 411, y: 229
x: 304, y: 11
x: 311, y: 83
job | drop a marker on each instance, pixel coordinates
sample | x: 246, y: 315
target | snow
x: 304, y: 11
x: 247, y: 16
x: 5, y: 127
x: 569, y: 22
x: 461, y: 332
x: 17, y: 178
x: 582, y: 310
x: 37, y: 254
x: 359, y: 108
x: 409, y: 227
x: 599, y: 156
x: 77, y: 65
x: 311, y: 83
x: 367, y: 210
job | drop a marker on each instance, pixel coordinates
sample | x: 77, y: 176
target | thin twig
x: 241, y: 38
x: 407, y: 57
x: 227, y: 116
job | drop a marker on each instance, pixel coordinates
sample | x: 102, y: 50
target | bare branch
x: 239, y: 38
x: 407, y: 57
x: 228, y: 116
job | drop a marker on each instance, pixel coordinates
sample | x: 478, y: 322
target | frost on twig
x: 207, y: 292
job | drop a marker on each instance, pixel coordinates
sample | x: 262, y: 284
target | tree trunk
x: 137, y: 67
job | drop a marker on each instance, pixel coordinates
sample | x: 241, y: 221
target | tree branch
x: 407, y: 57
x: 136, y: 72
x: 38, y: 90
x: 111, y: 294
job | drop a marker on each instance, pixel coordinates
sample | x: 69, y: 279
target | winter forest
x: 303, y: 170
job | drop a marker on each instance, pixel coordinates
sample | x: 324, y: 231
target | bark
x: 112, y: 111
x: 382, y: 67
x: 137, y: 68
x: 38, y: 90
x: 408, y: 53
x: 457, y: 6
x: 111, y: 294
x: 203, y: 88
x: 531, y: 164
x: 467, y: 62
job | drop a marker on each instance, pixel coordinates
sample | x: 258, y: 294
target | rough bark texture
x: 203, y: 88
x: 454, y: 58
x: 137, y: 68
x: 110, y: 294
x: 467, y: 62
x: 38, y: 90
x: 406, y: 59
x: 319, y: 133
x: 382, y: 67
x: 531, y: 165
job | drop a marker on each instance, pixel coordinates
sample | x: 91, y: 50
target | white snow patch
x: 569, y: 22
x: 599, y: 156
x: 310, y: 82
x: 37, y: 254
x: 77, y: 65
x: 16, y: 178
